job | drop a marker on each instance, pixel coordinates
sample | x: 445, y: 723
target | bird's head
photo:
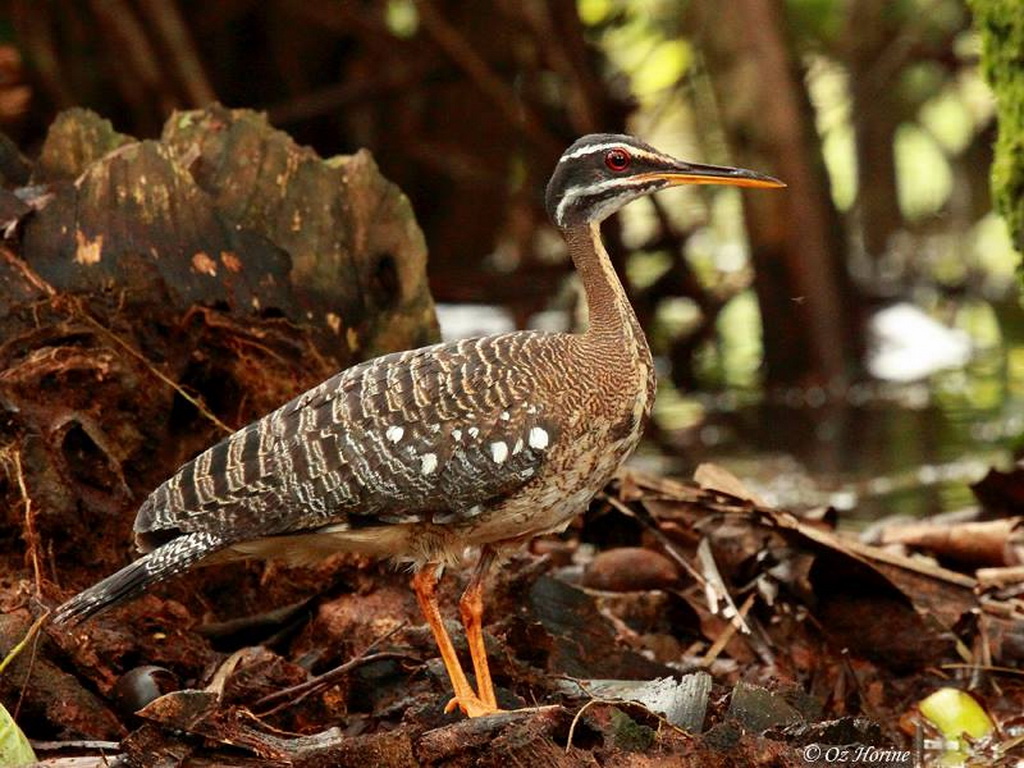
x: 602, y: 172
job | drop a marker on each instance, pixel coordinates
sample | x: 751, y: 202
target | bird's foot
x: 471, y: 705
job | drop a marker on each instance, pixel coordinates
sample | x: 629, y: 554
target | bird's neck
x: 614, y: 329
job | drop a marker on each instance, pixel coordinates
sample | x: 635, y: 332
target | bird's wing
x: 430, y: 434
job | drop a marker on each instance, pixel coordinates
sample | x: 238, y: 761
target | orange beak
x: 696, y: 173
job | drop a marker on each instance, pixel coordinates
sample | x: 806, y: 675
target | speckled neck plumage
x: 613, y: 326
x: 614, y: 344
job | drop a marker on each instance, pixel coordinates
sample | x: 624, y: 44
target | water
x: 870, y: 450
x: 877, y: 450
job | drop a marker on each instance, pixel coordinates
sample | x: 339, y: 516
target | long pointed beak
x: 696, y: 173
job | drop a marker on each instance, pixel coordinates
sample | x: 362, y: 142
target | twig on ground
x: 296, y: 693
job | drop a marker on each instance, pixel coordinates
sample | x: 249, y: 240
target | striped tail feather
x: 163, y: 562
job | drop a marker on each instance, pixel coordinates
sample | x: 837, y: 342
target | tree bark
x: 876, y: 114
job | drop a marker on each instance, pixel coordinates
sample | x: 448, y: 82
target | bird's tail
x: 163, y: 562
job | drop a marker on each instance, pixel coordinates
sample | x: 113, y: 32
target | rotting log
x: 156, y: 294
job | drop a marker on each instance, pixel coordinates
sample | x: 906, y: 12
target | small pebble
x: 142, y: 685
x: 630, y: 569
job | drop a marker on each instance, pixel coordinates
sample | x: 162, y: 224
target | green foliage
x: 14, y: 747
x: 642, y: 41
x: 594, y: 12
x: 402, y: 18
x: 1001, y: 25
x: 925, y: 179
x: 821, y: 20
x: 956, y: 713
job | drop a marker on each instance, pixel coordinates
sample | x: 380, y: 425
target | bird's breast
x: 598, y: 433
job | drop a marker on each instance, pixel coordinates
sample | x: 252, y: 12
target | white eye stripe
x: 589, y: 149
x: 592, y: 149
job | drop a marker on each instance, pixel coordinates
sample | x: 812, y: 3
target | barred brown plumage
x: 417, y: 455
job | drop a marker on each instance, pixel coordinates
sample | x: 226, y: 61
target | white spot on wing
x: 428, y: 463
x: 517, y: 447
x: 499, y: 452
x: 457, y: 433
x: 538, y: 438
x: 473, y: 431
x: 394, y: 433
x: 505, y: 416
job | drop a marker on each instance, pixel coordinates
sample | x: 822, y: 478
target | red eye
x: 617, y: 159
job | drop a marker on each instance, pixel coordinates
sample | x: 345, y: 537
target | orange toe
x: 471, y: 706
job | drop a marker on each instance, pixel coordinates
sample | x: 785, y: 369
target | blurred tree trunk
x: 876, y: 113
x: 1001, y: 24
x: 810, y: 313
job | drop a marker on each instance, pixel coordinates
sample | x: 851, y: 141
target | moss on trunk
x: 1001, y: 25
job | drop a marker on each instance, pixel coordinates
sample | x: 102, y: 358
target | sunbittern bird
x: 417, y: 455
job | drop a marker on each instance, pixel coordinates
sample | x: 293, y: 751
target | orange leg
x: 425, y: 585
x: 471, y: 607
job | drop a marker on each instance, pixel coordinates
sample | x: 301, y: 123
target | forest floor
x: 675, y: 624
